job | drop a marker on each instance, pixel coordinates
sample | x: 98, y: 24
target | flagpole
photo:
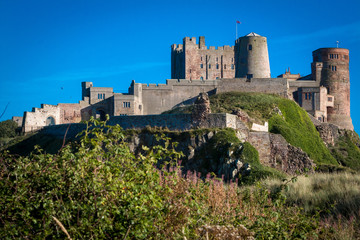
x: 236, y: 31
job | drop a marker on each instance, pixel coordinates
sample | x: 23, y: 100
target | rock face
x: 288, y: 158
x: 329, y: 133
x: 276, y: 152
x: 201, y: 109
x: 201, y: 153
x: 242, y: 115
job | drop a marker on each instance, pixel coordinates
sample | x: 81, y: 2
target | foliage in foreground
x: 99, y: 190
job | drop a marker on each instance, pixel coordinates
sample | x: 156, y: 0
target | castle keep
x: 196, y: 68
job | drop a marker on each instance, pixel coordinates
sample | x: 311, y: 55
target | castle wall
x: 159, y: 98
x: 41, y: 117
x: 98, y: 94
x: 70, y: 112
x: 260, y: 85
x: 18, y: 120
x: 173, y: 121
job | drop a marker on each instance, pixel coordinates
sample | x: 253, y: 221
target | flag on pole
x: 238, y: 22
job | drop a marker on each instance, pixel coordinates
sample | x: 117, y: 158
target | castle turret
x: 251, y: 57
x: 334, y: 75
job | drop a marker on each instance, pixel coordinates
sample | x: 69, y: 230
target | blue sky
x: 47, y: 48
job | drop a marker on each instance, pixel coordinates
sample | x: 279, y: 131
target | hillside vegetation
x: 98, y: 189
x: 293, y: 123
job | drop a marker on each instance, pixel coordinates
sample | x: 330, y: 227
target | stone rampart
x: 277, y: 86
x: 174, y: 121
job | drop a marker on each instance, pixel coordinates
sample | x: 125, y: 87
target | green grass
x: 339, y: 193
x: 346, y: 150
x: 257, y: 106
x: 295, y: 125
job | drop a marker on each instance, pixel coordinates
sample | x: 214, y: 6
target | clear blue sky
x: 47, y: 48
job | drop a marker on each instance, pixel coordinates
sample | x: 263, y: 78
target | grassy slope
x: 346, y: 150
x: 295, y: 125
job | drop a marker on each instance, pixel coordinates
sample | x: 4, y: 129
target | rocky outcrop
x: 242, y: 115
x: 276, y: 152
x: 329, y: 133
x: 288, y: 158
x: 201, y: 109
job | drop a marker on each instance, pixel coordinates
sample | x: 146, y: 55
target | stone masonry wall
x: 261, y: 85
x: 174, y: 121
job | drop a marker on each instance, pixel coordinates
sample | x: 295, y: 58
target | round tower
x: 336, y: 78
x: 252, y: 57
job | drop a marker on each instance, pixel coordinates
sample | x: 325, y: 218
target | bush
x: 96, y: 189
x: 8, y: 129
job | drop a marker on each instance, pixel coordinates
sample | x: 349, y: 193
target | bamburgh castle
x: 196, y: 68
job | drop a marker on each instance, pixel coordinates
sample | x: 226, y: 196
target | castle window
x: 201, y: 78
x: 333, y: 68
x: 217, y: 77
x: 329, y: 99
x: 201, y: 65
x: 200, y: 58
x: 224, y: 66
x: 209, y: 66
x: 232, y: 60
x: 250, y: 47
x: 232, y: 66
x: 126, y: 104
x: 101, y: 95
x: 217, y: 66
x: 217, y: 59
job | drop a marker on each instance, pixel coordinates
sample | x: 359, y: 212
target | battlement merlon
x: 187, y: 41
x: 177, y: 47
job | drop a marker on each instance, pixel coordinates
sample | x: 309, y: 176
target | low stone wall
x: 174, y: 121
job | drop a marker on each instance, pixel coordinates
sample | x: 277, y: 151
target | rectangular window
x: 232, y: 66
x: 224, y: 66
x: 329, y: 99
x: 217, y: 59
x: 200, y: 58
x: 126, y: 104
x: 201, y: 66
x: 217, y: 66
x: 101, y: 95
x: 209, y: 66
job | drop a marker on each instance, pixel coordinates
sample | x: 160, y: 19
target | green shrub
x: 8, y: 129
x: 96, y: 189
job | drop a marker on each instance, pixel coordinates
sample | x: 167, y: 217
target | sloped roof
x: 252, y: 34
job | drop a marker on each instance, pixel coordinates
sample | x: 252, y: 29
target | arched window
x: 250, y: 47
x: 50, y: 121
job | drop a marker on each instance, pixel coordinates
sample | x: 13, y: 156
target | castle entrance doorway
x: 100, y: 114
x: 50, y: 121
